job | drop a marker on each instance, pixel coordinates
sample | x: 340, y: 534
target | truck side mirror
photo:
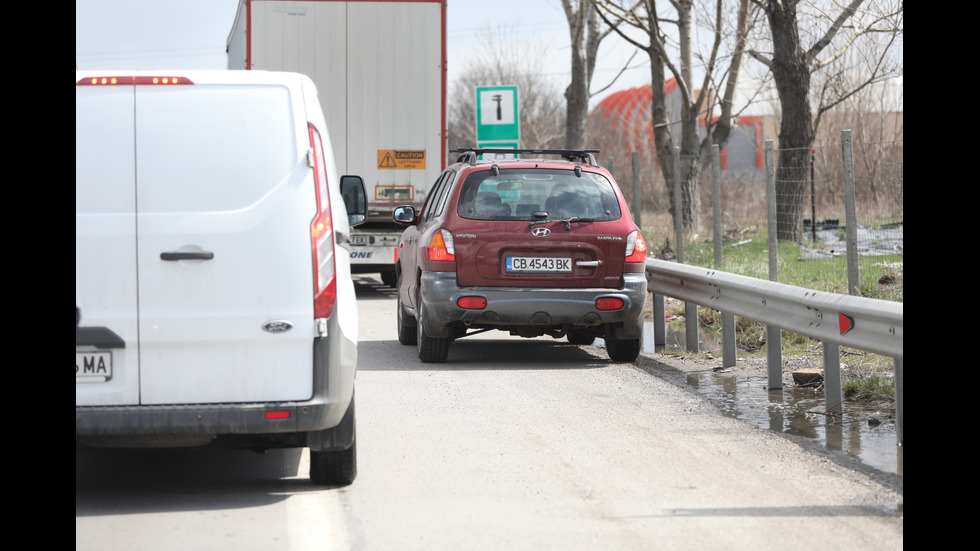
x: 355, y: 199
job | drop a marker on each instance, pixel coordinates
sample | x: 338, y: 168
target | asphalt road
x: 511, y: 444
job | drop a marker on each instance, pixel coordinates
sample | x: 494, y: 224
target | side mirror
x: 404, y: 215
x: 355, y: 199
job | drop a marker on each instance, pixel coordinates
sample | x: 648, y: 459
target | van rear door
x: 105, y: 244
x: 225, y: 197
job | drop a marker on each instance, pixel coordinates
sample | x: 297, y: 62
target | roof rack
x: 470, y: 154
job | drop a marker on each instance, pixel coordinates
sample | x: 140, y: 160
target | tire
x: 622, y: 350
x: 579, y: 337
x: 334, y: 468
x: 389, y: 278
x: 407, y: 326
x: 337, y: 467
x: 431, y: 349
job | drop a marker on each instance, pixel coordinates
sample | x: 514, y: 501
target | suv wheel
x: 622, y: 350
x: 431, y: 349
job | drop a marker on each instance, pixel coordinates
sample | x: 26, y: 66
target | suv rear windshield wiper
x: 567, y: 221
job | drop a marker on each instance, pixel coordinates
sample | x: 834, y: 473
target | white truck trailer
x: 380, y: 68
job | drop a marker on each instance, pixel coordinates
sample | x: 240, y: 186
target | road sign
x: 497, y: 116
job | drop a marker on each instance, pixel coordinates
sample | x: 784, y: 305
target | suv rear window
x: 517, y: 194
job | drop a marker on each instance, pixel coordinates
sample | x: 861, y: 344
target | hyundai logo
x: 541, y: 232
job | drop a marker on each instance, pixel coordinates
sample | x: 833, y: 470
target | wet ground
x: 866, y: 432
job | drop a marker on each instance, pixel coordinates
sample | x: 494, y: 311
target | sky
x: 192, y: 34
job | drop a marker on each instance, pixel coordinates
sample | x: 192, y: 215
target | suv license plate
x: 538, y: 264
x: 93, y: 367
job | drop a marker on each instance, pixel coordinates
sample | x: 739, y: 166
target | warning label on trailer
x: 401, y: 159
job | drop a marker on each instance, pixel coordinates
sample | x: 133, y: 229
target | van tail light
x: 636, y: 247
x: 321, y: 236
x: 442, y: 247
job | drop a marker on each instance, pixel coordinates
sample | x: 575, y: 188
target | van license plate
x: 93, y: 367
x: 538, y: 264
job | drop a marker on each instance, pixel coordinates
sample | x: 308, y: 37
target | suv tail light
x: 321, y: 235
x: 636, y: 247
x: 442, y: 247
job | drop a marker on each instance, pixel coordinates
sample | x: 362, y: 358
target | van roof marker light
x: 132, y: 81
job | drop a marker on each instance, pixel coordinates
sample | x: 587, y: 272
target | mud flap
x: 340, y: 437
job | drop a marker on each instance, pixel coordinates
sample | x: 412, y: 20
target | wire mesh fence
x: 813, y: 196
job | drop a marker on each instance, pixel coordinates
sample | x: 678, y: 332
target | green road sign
x: 497, y: 118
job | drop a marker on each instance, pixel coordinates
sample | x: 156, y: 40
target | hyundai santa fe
x: 530, y: 246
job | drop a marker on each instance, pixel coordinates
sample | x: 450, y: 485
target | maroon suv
x: 529, y: 246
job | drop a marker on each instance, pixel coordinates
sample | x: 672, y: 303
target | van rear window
x: 195, y: 143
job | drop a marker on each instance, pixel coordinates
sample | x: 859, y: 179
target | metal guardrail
x: 836, y: 320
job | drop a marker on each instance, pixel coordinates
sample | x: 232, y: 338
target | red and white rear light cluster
x: 636, y: 247
x: 321, y: 236
x: 442, y: 247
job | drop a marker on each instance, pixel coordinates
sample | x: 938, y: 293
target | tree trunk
x: 583, y: 24
x: 791, y: 72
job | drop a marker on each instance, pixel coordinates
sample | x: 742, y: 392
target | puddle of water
x: 800, y: 411
x: 794, y: 410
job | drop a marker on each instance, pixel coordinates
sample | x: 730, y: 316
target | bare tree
x: 505, y: 61
x: 796, y: 58
x: 657, y: 31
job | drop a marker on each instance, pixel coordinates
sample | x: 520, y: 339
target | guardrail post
x: 774, y: 335
x: 659, y: 322
x: 728, y: 342
x: 691, y: 327
x: 899, y: 404
x: 832, y: 391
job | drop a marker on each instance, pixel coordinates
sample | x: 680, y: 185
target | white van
x: 213, y: 297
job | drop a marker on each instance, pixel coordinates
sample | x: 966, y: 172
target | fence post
x: 850, y: 214
x: 678, y: 206
x: 716, y: 201
x: 774, y: 335
x: 728, y: 354
x: 690, y: 309
x: 637, y: 194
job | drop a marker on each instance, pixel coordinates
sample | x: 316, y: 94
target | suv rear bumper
x: 334, y: 359
x: 522, y: 306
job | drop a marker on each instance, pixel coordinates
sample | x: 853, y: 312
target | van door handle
x: 587, y: 263
x: 173, y: 256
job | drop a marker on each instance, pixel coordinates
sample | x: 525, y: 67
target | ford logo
x: 541, y: 232
x: 277, y: 326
